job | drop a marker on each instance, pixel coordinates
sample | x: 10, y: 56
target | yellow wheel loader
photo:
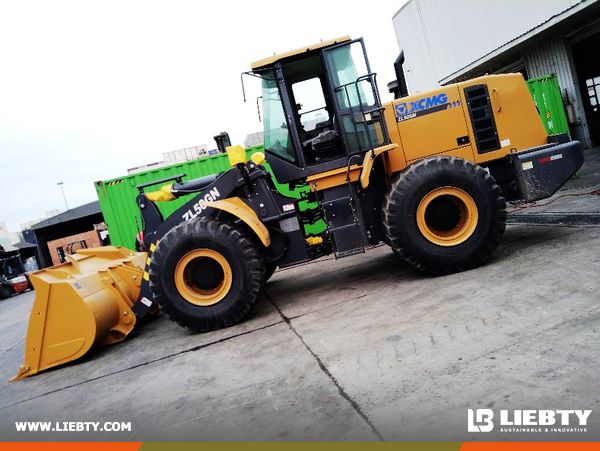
x: 428, y: 174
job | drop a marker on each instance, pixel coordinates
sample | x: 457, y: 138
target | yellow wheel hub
x: 447, y: 216
x: 203, y: 277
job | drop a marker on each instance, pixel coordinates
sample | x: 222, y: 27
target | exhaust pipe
x: 402, y: 89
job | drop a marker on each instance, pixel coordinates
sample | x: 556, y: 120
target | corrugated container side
x: 546, y: 96
x: 117, y: 196
x: 552, y: 56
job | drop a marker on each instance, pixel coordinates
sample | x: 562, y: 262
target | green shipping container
x: 546, y: 96
x: 117, y: 196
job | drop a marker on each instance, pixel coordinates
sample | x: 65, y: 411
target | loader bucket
x: 84, y: 302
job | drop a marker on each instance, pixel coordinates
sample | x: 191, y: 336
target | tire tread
x: 402, y: 190
x: 242, y: 246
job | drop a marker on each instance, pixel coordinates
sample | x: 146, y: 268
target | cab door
x: 358, y: 106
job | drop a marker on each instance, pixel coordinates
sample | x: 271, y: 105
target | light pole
x: 63, y: 193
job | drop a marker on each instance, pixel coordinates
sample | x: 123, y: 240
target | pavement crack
x: 324, y: 368
x: 329, y: 306
x: 512, y: 343
x: 140, y: 365
x: 12, y: 347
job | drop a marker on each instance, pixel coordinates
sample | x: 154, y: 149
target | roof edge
x: 273, y: 59
x: 519, y: 40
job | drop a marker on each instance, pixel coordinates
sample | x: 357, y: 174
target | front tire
x: 206, y: 274
x: 444, y: 215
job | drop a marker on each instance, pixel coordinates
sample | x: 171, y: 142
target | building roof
x: 445, y: 42
x: 24, y: 245
x: 83, y: 211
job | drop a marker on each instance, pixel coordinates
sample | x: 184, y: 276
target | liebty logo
x: 483, y: 416
x: 481, y: 420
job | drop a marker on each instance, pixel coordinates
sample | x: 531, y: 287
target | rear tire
x: 206, y: 274
x: 444, y: 215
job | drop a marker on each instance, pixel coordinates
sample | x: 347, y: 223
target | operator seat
x: 327, y: 143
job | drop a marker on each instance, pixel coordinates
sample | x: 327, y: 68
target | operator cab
x: 321, y: 108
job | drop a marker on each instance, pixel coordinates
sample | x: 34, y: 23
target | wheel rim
x: 447, y: 216
x: 203, y: 277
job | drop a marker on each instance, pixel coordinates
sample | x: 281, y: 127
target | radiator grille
x: 482, y: 118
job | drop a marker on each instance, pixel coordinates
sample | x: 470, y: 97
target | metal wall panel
x: 418, y: 66
x: 449, y: 35
x: 552, y: 57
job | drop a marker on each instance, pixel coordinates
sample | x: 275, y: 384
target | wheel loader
x: 428, y: 174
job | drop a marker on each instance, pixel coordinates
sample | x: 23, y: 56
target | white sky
x: 89, y: 89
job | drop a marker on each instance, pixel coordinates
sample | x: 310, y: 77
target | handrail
x: 364, y: 109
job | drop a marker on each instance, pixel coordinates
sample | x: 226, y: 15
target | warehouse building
x: 78, y: 228
x: 446, y: 41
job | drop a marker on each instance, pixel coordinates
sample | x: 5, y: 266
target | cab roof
x: 273, y: 59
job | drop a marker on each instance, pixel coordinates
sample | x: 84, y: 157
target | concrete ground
x: 358, y: 349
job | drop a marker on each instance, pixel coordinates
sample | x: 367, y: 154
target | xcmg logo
x: 529, y: 420
x: 422, y: 104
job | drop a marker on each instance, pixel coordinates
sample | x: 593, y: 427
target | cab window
x: 310, y: 104
x: 277, y: 134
